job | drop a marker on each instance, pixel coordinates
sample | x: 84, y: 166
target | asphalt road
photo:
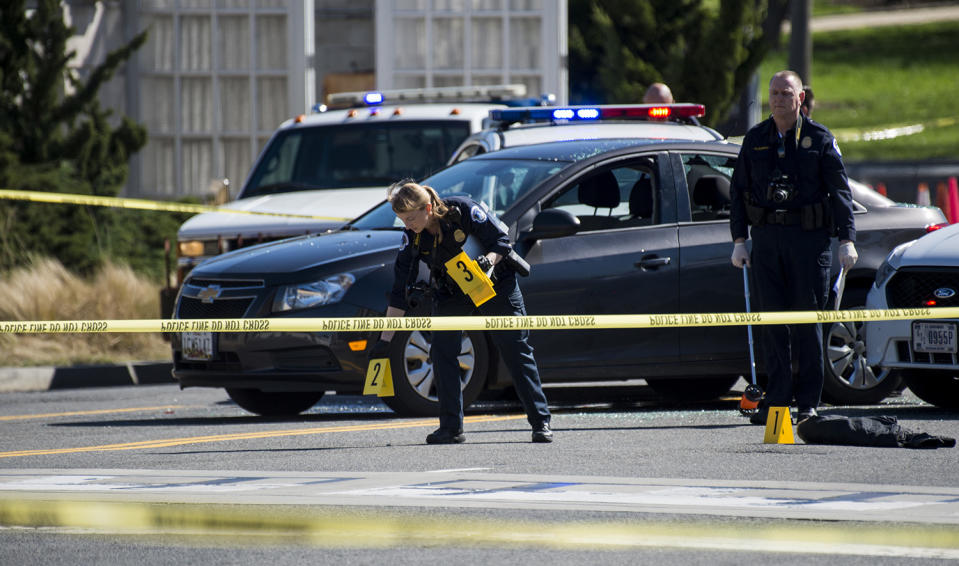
x: 155, y: 475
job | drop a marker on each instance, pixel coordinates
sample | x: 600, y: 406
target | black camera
x: 419, y: 293
x: 780, y: 189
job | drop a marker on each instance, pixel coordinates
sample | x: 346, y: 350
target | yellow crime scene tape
x: 252, y: 525
x: 440, y: 323
x: 141, y: 204
x: 892, y: 131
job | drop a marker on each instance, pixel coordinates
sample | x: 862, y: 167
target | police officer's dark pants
x: 791, y: 272
x: 513, y: 346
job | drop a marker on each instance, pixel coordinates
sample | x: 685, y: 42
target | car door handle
x: 652, y: 262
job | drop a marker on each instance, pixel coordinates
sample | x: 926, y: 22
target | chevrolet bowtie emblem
x: 207, y: 295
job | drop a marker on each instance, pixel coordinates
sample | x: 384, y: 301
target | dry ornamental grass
x: 45, y: 290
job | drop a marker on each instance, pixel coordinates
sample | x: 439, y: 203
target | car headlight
x: 315, y: 294
x: 192, y: 248
x: 883, y: 273
x: 892, y: 260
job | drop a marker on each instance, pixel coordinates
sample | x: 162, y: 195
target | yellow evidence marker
x: 779, y: 427
x: 470, y: 278
x: 379, y: 378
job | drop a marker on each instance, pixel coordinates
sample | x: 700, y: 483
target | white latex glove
x: 740, y: 255
x: 848, y: 255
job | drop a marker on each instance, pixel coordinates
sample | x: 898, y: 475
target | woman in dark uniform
x: 436, y: 230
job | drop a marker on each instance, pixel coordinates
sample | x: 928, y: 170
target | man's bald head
x: 658, y: 93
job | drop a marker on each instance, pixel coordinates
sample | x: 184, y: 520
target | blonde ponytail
x: 407, y: 195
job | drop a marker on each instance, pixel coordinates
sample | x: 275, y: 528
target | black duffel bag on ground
x: 866, y: 431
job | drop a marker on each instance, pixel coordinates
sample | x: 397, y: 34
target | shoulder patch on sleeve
x: 404, y: 242
x: 477, y: 214
x: 835, y: 144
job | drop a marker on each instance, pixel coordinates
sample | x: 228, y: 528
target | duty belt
x: 784, y: 217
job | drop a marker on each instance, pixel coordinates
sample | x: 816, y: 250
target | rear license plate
x: 934, y: 337
x: 197, y: 346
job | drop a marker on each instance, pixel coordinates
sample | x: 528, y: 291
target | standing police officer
x: 436, y: 230
x: 790, y: 184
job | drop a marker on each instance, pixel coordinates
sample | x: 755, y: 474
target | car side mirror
x: 552, y: 223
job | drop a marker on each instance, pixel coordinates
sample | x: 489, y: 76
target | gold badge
x: 459, y: 236
x: 806, y: 142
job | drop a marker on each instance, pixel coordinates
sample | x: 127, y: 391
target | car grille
x: 318, y: 358
x: 224, y: 361
x: 911, y: 289
x: 221, y: 308
x: 906, y: 354
x: 313, y: 359
x: 228, y: 283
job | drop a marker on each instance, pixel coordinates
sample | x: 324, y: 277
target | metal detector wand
x: 752, y: 395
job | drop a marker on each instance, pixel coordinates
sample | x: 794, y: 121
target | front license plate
x: 934, y: 337
x: 197, y: 346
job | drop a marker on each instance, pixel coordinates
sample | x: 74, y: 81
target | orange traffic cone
x: 953, y: 200
x: 942, y: 198
x: 922, y: 196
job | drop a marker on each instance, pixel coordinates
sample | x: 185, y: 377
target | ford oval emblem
x: 944, y: 293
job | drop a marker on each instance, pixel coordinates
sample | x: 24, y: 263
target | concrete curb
x: 46, y: 378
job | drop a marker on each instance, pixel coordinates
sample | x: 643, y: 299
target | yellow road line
x: 169, y: 442
x: 82, y: 413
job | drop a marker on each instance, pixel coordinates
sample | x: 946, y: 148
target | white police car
x: 511, y: 127
x: 335, y: 164
x: 920, y: 273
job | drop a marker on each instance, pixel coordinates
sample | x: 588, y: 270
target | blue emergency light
x: 601, y: 112
x: 373, y: 98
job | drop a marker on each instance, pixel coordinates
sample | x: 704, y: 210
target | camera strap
x: 781, y: 150
x: 419, y: 257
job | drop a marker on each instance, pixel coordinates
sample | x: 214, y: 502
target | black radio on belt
x: 781, y: 189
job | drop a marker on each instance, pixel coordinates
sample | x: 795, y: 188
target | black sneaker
x: 444, y: 436
x: 542, y: 433
x: 760, y: 416
x: 804, y: 413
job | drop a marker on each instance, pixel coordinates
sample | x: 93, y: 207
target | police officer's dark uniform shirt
x: 474, y: 220
x: 811, y: 160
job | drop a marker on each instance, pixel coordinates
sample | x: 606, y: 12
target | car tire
x: 847, y: 378
x: 939, y: 388
x: 274, y: 403
x: 414, y: 390
x: 694, y: 389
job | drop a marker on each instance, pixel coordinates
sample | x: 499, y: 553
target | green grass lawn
x: 886, y: 77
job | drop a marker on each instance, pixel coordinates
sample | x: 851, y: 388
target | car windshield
x: 362, y: 155
x: 497, y: 182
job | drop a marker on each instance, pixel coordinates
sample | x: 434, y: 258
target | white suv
x: 333, y: 165
x: 919, y: 274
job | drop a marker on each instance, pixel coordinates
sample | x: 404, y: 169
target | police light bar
x: 423, y: 95
x: 373, y: 98
x: 601, y: 112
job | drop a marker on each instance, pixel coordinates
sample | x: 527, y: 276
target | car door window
x: 611, y: 198
x: 708, y: 180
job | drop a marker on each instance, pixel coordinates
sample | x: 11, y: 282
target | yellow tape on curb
x: 141, y: 204
x: 552, y: 322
